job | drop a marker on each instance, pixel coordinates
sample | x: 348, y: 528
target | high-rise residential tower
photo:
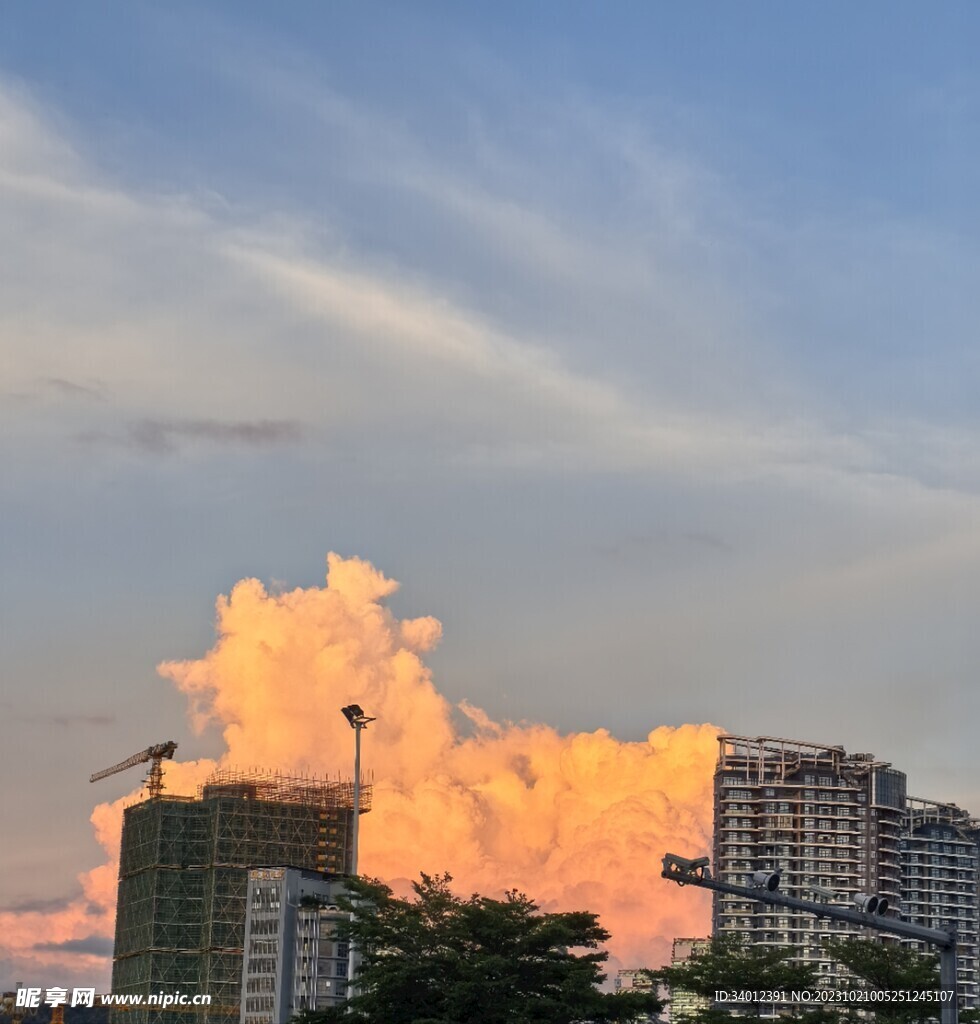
x: 844, y: 823
x: 939, y: 881
x: 183, y: 878
x: 824, y: 817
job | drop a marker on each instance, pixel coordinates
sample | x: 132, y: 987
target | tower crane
x: 154, y: 777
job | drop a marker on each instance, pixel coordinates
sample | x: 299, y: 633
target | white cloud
x: 184, y: 316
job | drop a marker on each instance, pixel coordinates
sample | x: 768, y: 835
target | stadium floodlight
x: 870, y: 904
x: 354, y: 714
x: 768, y: 880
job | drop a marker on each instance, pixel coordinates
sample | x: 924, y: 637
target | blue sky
x: 636, y: 340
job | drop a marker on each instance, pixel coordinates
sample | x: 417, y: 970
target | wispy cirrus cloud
x: 309, y: 337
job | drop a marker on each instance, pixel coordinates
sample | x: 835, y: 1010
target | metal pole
x: 949, y: 1012
x: 357, y: 796
x: 354, y: 837
x: 697, y: 873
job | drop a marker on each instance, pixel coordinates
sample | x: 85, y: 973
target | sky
x: 633, y: 340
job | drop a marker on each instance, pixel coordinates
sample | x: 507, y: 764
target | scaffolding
x: 309, y: 790
x: 183, y: 876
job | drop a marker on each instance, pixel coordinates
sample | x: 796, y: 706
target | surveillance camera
x: 675, y: 865
x: 822, y: 892
x: 870, y: 904
x: 768, y: 880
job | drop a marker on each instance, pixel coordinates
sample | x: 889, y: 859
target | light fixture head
x: 354, y: 714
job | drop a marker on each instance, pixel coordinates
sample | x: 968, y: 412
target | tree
x: 442, y: 959
x: 730, y: 964
x: 891, y: 968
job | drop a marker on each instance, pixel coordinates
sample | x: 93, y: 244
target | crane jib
x: 155, y: 754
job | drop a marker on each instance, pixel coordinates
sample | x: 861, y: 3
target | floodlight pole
x: 355, y: 826
x: 358, y: 721
x: 945, y: 940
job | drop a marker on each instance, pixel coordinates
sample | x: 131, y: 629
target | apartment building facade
x: 940, y: 882
x: 844, y: 823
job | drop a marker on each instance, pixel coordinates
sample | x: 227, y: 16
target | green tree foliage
x: 891, y: 968
x: 441, y: 959
x: 730, y: 964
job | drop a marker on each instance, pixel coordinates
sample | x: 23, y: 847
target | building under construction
x: 183, y: 877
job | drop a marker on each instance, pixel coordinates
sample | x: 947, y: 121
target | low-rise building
x: 682, y: 1002
x: 294, y: 959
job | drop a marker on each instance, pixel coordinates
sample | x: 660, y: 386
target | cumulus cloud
x: 578, y: 821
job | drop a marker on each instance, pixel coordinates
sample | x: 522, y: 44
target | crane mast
x: 154, y: 777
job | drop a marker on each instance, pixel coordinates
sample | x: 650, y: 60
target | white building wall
x: 292, y: 959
